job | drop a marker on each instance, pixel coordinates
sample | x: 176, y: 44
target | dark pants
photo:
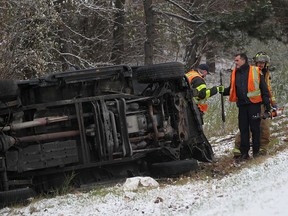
x: 245, y: 121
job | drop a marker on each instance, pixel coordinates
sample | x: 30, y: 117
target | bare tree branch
x: 183, y: 9
x: 180, y: 17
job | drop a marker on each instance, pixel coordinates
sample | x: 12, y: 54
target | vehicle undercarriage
x: 96, y: 124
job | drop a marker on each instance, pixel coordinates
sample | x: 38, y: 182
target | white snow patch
x: 135, y: 182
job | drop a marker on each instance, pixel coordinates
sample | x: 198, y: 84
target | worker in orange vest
x: 261, y: 60
x: 249, y: 90
x: 196, y: 79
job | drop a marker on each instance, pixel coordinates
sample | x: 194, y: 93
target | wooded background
x: 38, y: 37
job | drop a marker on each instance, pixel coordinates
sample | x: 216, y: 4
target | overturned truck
x: 97, y: 124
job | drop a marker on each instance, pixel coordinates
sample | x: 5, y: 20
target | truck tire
x: 173, y: 168
x: 160, y: 72
x: 16, y: 196
x: 8, y: 90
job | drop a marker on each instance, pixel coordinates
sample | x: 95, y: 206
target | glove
x: 220, y: 88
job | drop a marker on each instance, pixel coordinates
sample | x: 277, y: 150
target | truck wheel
x: 8, y: 89
x: 160, y: 72
x: 15, y: 196
x: 173, y: 168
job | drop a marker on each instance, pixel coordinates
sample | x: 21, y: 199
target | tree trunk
x: 191, y: 58
x: 210, y: 59
x: 63, y: 36
x: 150, y: 32
x: 118, y: 33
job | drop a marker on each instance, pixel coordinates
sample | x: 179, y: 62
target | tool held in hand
x: 222, y: 100
x: 274, y: 113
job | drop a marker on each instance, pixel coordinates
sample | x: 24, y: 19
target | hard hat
x: 261, y: 57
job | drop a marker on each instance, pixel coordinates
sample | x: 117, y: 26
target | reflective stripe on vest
x: 254, y: 90
x: 254, y: 93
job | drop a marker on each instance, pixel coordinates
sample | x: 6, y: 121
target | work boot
x: 242, y: 157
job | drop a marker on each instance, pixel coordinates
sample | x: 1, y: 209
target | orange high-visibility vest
x: 200, y: 103
x: 254, y: 93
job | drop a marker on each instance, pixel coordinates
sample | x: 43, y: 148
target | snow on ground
x: 223, y: 145
x: 259, y: 189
